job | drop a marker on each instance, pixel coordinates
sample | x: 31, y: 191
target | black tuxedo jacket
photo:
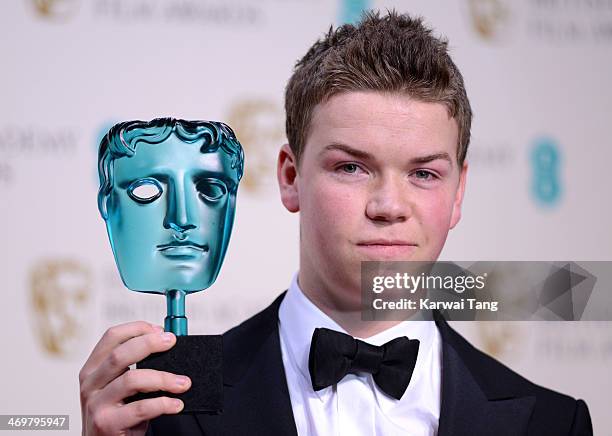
x: 480, y: 396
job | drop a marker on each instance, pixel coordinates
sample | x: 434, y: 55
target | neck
x: 346, y: 312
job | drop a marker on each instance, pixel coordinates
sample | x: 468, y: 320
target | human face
x: 170, y: 216
x: 378, y: 180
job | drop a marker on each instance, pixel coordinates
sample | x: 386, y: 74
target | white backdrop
x: 537, y: 73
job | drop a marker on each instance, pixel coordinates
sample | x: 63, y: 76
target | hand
x: 106, y: 380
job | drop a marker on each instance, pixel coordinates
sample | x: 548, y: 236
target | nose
x: 182, y: 210
x: 388, y: 201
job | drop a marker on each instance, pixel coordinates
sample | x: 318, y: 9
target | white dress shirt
x: 355, y: 405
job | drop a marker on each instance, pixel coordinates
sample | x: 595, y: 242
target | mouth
x: 183, y: 250
x: 387, y: 249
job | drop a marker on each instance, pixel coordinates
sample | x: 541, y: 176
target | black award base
x: 201, y: 359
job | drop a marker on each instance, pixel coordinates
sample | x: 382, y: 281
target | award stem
x: 176, y: 321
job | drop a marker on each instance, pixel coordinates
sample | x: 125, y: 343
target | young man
x: 378, y: 123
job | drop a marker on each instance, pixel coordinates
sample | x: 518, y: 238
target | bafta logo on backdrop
x: 259, y: 123
x: 60, y: 292
x: 57, y: 10
x: 502, y: 340
x: 490, y: 19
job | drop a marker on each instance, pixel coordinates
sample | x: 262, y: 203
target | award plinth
x: 199, y: 357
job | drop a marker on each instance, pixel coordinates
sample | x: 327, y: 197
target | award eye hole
x: 145, y: 190
x: 211, y: 189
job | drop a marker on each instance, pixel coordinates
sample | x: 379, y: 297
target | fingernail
x: 167, y: 337
x: 182, y: 381
x: 158, y: 328
x: 178, y: 404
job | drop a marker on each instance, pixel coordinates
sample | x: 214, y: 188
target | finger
x: 135, y: 413
x: 126, y: 354
x: 112, y: 337
x: 142, y: 380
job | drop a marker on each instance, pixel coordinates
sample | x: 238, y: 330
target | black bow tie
x: 334, y: 354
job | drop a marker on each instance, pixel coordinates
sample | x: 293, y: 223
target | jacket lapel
x: 474, y: 398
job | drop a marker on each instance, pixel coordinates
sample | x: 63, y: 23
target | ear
x: 103, y: 205
x: 456, y: 215
x: 286, y: 172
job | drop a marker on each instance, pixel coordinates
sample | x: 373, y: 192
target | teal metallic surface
x: 168, y: 197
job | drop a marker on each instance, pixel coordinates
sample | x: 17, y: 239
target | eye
x: 145, y: 190
x: 211, y: 189
x: 349, y: 168
x: 424, y: 175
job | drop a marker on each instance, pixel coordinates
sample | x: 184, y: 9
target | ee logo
x: 545, y: 159
x: 351, y: 10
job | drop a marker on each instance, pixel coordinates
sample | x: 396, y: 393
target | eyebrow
x: 365, y: 155
x: 198, y: 175
x: 432, y: 157
x: 348, y: 150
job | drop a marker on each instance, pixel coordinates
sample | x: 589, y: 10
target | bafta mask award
x: 168, y: 196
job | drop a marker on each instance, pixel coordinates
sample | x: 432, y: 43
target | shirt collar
x: 299, y: 317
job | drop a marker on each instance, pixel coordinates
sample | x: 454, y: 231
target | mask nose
x: 181, y: 214
x: 179, y: 233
